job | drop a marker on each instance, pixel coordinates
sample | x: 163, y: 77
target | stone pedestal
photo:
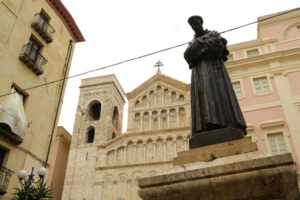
x: 227, y: 171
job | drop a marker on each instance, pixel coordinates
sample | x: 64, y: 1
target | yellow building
x: 58, y: 161
x: 37, y: 41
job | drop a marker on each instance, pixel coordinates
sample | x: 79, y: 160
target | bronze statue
x: 216, y: 115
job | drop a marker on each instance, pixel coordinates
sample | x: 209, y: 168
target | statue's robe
x: 213, y: 101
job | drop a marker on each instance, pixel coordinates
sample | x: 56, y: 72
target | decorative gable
x: 159, y: 103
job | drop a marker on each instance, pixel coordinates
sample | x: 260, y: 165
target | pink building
x: 266, y: 77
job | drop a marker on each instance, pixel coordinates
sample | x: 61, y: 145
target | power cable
x: 149, y: 54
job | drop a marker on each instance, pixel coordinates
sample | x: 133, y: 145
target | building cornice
x: 158, y: 77
x: 262, y: 59
x: 272, y: 123
x: 292, y: 14
x: 142, y: 133
x: 67, y: 19
x: 102, y: 167
x: 250, y: 44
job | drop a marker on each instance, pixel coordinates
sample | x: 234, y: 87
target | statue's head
x: 196, y: 22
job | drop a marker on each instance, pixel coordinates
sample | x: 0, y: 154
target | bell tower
x: 100, y: 110
x: 98, y: 120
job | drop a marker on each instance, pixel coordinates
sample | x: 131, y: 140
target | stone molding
x: 158, y: 77
x: 272, y: 123
x: 133, y: 165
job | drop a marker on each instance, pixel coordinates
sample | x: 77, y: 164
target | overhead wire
x: 149, y: 54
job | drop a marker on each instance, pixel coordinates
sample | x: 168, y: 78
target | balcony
x: 8, y: 135
x: 31, y: 56
x: 43, y: 27
x: 5, y: 175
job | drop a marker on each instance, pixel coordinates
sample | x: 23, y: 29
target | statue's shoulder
x: 212, y: 33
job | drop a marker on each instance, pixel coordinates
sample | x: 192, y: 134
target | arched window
x: 113, y: 135
x: 152, y: 98
x: 181, y: 98
x: 90, y: 135
x: 115, y: 119
x: 146, y: 121
x: 94, y: 110
x: 164, y: 119
x: 137, y: 104
x: 166, y: 96
x: 144, y: 100
x: 137, y: 121
x: 173, y: 97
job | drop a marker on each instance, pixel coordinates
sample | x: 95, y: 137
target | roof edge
x: 67, y: 19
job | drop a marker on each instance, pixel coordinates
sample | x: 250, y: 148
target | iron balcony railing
x: 5, y: 175
x: 43, y: 27
x: 33, y: 58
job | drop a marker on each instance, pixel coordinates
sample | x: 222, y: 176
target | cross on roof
x: 158, y: 64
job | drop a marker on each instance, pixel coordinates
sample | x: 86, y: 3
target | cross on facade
x: 158, y: 64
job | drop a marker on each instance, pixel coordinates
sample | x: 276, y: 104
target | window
x: 32, y: 57
x: 277, y: 143
x: 95, y: 110
x: 181, y: 98
x: 20, y: 92
x: 261, y: 85
x: 90, y: 135
x: 42, y: 21
x: 2, y: 156
x: 13, y: 121
x: 33, y: 49
x: 113, y: 135
x: 229, y: 58
x: 237, y: 89
x: 252, y: 53
x: 43, y: 27
x: 115, y: 119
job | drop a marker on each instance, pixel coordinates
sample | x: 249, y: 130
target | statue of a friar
x: 216, y: 114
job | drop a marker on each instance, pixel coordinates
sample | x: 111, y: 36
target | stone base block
x: 262, y: 178
x: 212, y: 152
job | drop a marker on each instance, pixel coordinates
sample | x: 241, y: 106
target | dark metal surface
x: 7, y: 134
x: 213, y: 102
x: 215, y: 136
x: 43, y: 27
x: 34, y: 61
x: 5, y: 175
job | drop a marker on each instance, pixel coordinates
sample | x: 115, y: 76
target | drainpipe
x: 67, y: 61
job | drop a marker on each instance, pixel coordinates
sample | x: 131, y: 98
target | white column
x: 105, y: 159
x: 154, y: 148
x: 159, y: 121
x: 175, y: 149
x: 177, y: 118
x: 142, y: 117
x: 165, y: 150
x: 134, y: 152
x: 145, y: 153
x: 115, y: 160
x: 125, y: 154
x: 168, y: 118
x: 128, y: 192
x: 185, y: 144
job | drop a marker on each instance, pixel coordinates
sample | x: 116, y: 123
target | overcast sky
x: 117, y: 30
